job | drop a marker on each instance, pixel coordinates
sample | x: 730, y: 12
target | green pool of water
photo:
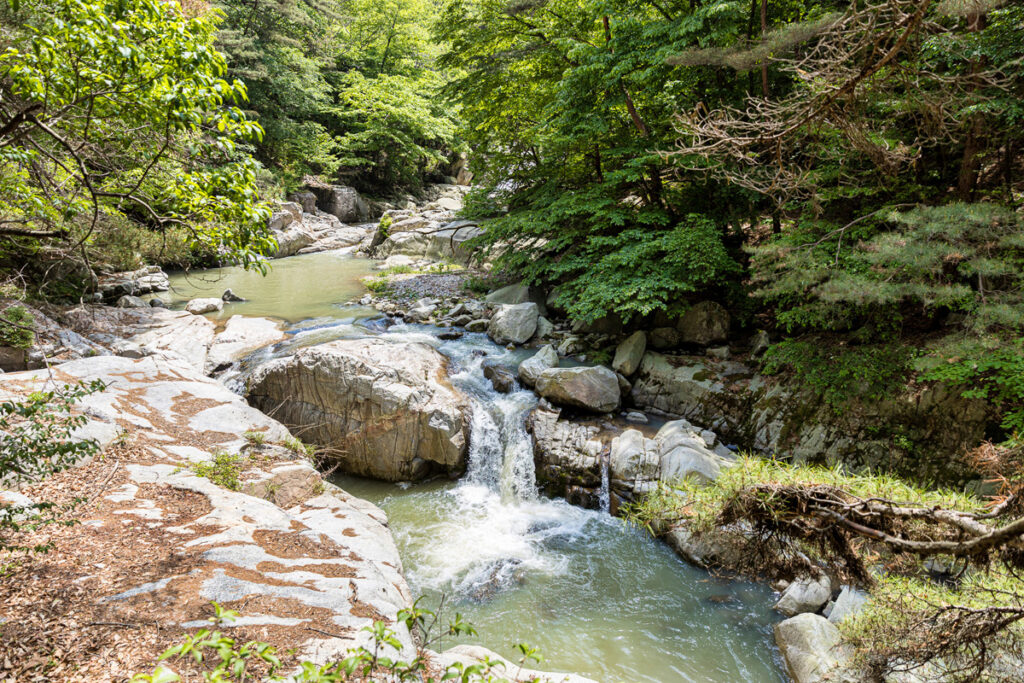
x: 596, y: 596
x: 295, y: 288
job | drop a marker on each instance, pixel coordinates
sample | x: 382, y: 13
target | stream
x: 594, y: 594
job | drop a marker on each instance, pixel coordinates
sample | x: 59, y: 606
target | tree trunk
x: 968, y: 177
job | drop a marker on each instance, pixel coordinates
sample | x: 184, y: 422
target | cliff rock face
x: 772, y: 416
x: 385, y: 409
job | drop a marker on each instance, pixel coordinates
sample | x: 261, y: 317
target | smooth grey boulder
x: 544, y: 328
x: 629, y: 353
x: 634, y: 458
x: 850, y: 601
x: 384, y: 408
x: 531, y: 368
x: 204, y: 305
x: 292, y: 239
x: 420, y: 314
x: 813, y: 651
x: 683, y: 453
x: 513, y: 294
x: 704, y: 323
x: 513, y: 323
x: 594, y: 388
x: 806, y: 594
x: 129, y: 301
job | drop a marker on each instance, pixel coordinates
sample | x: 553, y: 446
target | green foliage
x: 993, y: 375
x: 37, y: 443
x: 120, y: 111
x: 838, y: 374
x: 299, y: 448
x: 227, y: 659
x: 15, y: 334
x: 344, y: 90
x: 384, y: 226
x: 224, y: 469
x: 254, y: 438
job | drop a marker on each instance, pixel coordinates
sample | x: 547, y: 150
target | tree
x: 120, y: 111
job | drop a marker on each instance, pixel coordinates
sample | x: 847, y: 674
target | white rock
x: 514, y: 323
x: 204, y: 305
x: 531, y: 368
x: 806, y: 594
x: 813, y: 651
x: 629, y: 353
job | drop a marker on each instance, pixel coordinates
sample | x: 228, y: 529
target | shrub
x: 254, y: 661
x: 37, y: 442
x: 15, y: 334
x: 223, y: 470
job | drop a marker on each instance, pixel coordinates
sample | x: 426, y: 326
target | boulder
x: 242, y: 335
x: 230, y: 297
x: 385, y: 408
x: 567, y: 454
x: 849, y: 602
x: 806, y: 594
x: 292, y: 239
x: 343, y: 202
x: 676, y: 387
x: 129, y: 301
x: 531, y: 368
x: 664, y: 338
x: 592, y: 388
x: 544, y: 328
x: 704, y: 323
x: 634, y: 459
x: 204, y: 305
x: 813, y: 651
x: 513, y: 323
x: 513, y: 294
x: 305, y: 199
x: 501, y: 378
x: 759, y: 343
x: 445, y: 243
x: 629, y: 353
x: 683, y: 453
x: 420, y: 314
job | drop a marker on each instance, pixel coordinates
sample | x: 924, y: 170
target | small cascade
x: 604, y: 495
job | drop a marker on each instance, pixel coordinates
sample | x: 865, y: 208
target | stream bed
x: 594, y: 594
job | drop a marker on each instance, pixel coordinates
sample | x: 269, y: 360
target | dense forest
x: 844, y: 175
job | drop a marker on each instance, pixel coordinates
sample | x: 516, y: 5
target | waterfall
x: 604, y: 496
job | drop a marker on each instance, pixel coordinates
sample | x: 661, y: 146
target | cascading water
x: 604, y: 494
x: 597, y: 596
